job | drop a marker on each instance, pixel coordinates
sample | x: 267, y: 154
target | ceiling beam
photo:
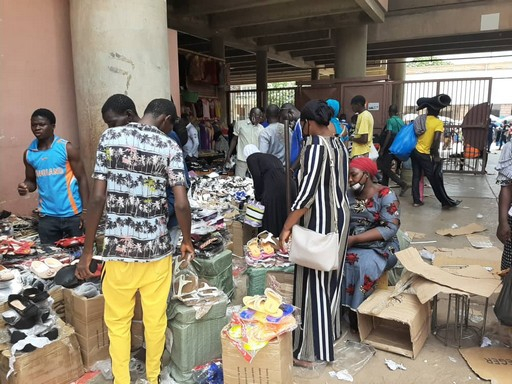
x: 300, y: 9
x: 308, y: 24
x: 313, y: 52
x: 202, y: 7
x: 304, y: 45
x: 373, y: 9
x: 198, y: 27
x: 294, y: 37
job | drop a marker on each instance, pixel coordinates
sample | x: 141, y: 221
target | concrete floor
x: 435, y: 362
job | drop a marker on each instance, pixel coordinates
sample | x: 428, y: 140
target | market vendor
x: 372, y: 241
x: 53, y: 166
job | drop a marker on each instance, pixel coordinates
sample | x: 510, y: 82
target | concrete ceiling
x: 297, y: 34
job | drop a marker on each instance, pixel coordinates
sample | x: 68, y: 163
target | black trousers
x: 433, y: 172
x: 384, y: 163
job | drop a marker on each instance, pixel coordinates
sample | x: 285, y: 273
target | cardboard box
x: 86, y: 316
x: 56, y: 363
x: 189, y: 333
x: 272, y: 365
x: 399, y: 325
x: 241, y: 233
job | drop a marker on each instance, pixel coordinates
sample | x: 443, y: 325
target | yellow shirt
x: 364, y: 126
x: 425, y: 141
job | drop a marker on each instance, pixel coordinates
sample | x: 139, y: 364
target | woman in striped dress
x: 317, y: 293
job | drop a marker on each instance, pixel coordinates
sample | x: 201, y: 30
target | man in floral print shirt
x: 134, y: 165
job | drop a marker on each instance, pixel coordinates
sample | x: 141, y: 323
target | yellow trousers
x: 121, y: 281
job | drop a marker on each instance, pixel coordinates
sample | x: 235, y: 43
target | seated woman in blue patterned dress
x: 372, y: 241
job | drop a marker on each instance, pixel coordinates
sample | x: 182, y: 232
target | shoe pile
x: 263, y: 251
x: 263, y: 318
x: 11, y: 247
x: 31, y: 320
x: 218, y: 193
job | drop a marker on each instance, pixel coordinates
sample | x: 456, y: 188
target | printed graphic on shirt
x: 137, y: 162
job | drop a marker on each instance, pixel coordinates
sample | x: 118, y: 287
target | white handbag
x: 312, y: 249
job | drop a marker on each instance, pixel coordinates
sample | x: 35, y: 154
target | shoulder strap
x: 330, y: 156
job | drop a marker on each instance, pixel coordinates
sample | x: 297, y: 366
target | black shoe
x: 404, y: 189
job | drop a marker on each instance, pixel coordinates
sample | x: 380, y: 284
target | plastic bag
x: 404, y: 143
x: 210, y: 373
x: 503, y: 307
x: 374, y: 154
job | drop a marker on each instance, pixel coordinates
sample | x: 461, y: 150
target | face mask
x: 358, y: 187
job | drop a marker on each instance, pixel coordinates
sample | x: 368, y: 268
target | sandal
x: 273, y: 302
x: 41, y: 270
x: 69, y: 242
x: 182, y: 286
x: 206, y: 290
x: 22, y: 305
x: 35, y: 295
x: 17, y: 321
x: 253, y: 249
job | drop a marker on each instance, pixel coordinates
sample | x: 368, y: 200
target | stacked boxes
x: 217, y: 271
x: 194, y: 341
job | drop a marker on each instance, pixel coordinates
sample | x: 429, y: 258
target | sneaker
x: 418, y: 204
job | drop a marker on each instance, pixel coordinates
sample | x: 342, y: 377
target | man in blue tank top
x: 53, y: 166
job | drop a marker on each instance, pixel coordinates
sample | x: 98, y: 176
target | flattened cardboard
x: 415, y: 235
x: 272, y: 365
x: 400, y: 325
x: 465, y: 230
x: 490, y: 257
x: 493, y: 364
x: 412, y: 261
x: 57, y: 363
x: 425, y: 289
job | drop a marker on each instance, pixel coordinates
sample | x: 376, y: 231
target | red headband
x: 365, y: 164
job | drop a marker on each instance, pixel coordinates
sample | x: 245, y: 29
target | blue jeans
x: 52, y: 229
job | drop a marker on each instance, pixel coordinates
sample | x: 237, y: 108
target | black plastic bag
x: 503, y: 307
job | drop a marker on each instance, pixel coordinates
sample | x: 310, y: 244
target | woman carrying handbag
x: 321, y: 206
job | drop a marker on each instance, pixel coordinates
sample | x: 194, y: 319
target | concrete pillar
x: 315, y: 74
x: 111, y: 56
x: 351, y: 49
x: 218, y: 50
x: 396, y: 72
x: 261, y: 78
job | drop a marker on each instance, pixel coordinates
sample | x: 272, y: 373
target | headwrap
x: 249, y: 149
x: 335, y: 105
x: 365, y: 164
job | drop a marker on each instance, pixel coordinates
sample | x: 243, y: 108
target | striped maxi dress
x: 318, y: 293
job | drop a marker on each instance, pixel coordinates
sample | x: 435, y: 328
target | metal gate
x: 240, y: 102
x: 464, y: 143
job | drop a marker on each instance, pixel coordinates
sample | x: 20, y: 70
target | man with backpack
x: 385, y: 160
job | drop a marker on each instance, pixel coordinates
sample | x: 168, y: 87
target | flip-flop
x: 253, y: 248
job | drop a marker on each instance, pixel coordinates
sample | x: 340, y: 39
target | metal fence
x: 466, y: 94
x: 240, y: 102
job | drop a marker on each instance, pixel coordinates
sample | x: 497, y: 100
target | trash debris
x: 394, y: 366
x: 479, y: 241
x: 452, y: 359
x: 458, y: 231
x: 454, y: 226
x: 427, y: 255
x: 486, y: 342
x: 351, y: 356
x: 479, y: 216
x: 342, y: 375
